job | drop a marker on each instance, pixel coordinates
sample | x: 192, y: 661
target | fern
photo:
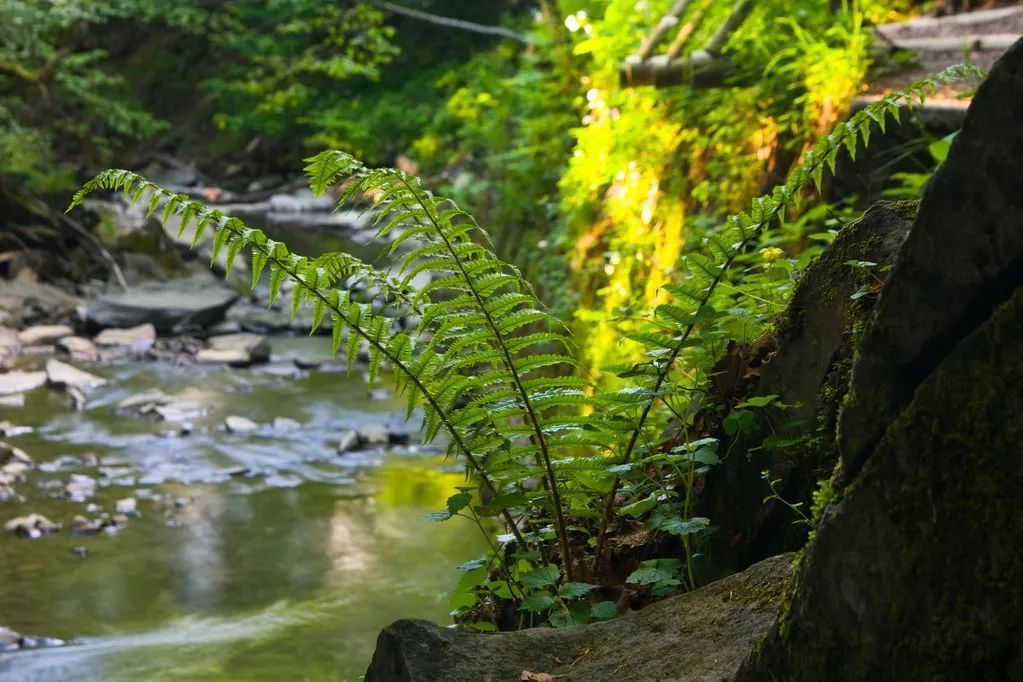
x: 478, y: 362
x: 673, y: 325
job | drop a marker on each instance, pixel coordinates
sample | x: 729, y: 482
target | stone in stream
x: 168, y: 306
x: 9, y: 430
x: 136, y: 339
x: 62, y: 374
x: 81, y: 526
x: 8, y: 341
x: 348, y: 441
x: 237, y: 424
x: 238, y: 350
x: 286, y: 424
x: 31, y: 526
x: 46, y: 334
x: 9, y: 454
x: 373, y: 434
x: 80, y: 487
x: 9, y: 640
x: 180, y: 411
x: 128, y: 506
x: 20, y: 382
x: 79, y: 348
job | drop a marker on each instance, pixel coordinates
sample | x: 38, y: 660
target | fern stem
x: 541, y: 442
x: 459, y: 441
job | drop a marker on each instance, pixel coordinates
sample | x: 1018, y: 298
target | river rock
x: 168, y: 306
x: 701, y: 636
x: 46, y: 334
x: 9, y: 453
x: 236, y: 424
x: 9, y: 640
x: 180, y: 411
x: 31, y: 526
x: 80, y: 487
x: 238, y: 350
x: 128, y: 506
x: 20, y: 382
x: 373, y: 434
x: 348, y: 441
x: 81, y: 525
x: 136, y: 339
x: 79, y: 348
x: 144, y: 402
x: 62, y: 374
x: 10, y: 430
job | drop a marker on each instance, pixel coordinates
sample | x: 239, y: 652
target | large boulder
x: 169, y: 306
x: 916, y: 569
x: 701, y: 636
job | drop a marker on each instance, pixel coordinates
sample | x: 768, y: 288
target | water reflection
x: 284, y: 576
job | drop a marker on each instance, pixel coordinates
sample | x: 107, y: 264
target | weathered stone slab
x: 698, y: 637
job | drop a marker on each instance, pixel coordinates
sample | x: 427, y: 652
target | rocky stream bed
x: 190, y: 489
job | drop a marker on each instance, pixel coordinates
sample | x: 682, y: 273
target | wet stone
x: 137, y: 339
x: 21, y: 382
x: 62, y: 374
x: 128, y: 506
x: 42, y: 335
x: 347, y: 441
x: 9, y: 430
x: 79, y: 348
x: 373, y: 434
x: 14, y: 400
x: 236, y: 424
x: 238, y: 350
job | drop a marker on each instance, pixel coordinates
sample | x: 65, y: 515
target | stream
x: 263, y: 555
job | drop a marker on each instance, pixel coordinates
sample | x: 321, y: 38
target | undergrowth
x: 560, y: 462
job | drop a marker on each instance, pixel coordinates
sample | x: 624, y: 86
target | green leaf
x: 604, y: 610
x: 541, y: 577
x: 539, y: 601
x: 575, y: 590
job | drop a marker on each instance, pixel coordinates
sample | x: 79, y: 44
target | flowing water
x: 284, y: 573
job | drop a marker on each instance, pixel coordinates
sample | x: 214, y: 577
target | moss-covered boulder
x: 916, y: 570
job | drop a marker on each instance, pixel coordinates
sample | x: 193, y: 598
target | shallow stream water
x: 287, y: 572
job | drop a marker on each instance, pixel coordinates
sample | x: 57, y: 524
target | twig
x: 104, y: 254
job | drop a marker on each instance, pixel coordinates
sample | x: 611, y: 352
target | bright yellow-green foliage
x: 650, y: 166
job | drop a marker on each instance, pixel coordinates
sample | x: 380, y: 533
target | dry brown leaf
x: 530, y: 676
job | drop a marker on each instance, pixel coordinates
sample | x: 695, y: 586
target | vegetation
x: 558, y: 458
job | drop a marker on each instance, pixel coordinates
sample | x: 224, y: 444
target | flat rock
x: 286, y: 424
x: 240, y: 350
x: 167, y: 306
x: 9, y: 429
x: 20, y: 382
x: 136, y: 339
x: 180, y: 411
x: 236, y: 424
x: 8, y: 341
x: 44, y: 334
x: 9, y: 453
x: 79, y: 348
x: 701, y: 636
x: 62, y: 374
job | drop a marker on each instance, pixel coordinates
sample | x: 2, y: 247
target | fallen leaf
x: 529, y: 676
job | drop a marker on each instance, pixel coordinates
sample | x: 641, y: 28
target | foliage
x: 491, y: 366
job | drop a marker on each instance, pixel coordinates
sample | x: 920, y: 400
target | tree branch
x: 459, y: 24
